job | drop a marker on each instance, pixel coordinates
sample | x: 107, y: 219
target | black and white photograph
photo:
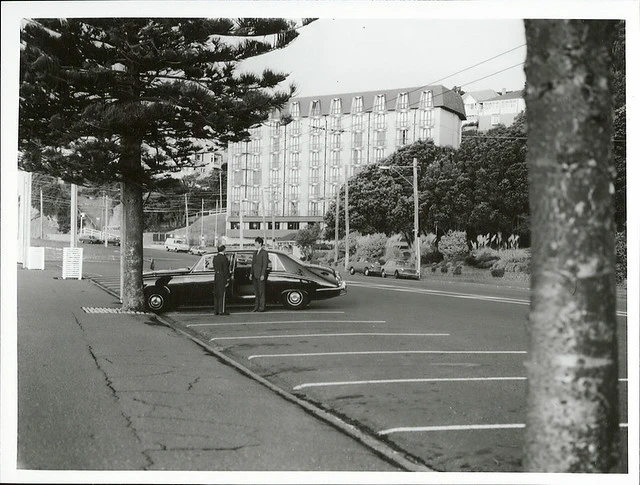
x: 320, y: 242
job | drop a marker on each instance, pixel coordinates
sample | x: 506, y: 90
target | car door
x: 241, y: 286
x: 197, y: 286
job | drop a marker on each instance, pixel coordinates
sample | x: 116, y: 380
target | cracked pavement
x: 122, y: 392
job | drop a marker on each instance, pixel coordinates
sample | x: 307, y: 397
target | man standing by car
x: 258, y: 275
x: 221, y: 282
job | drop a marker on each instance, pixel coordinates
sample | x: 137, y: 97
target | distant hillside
x: 209, y: 226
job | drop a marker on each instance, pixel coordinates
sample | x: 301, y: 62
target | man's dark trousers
x: 259, y: 265
x: 259, y: 289
x: 221, y: 268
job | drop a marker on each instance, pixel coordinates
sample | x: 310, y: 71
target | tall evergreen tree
x: 572, y: 399
x: 127, y: 99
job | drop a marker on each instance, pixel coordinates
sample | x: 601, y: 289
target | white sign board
x: 36, y: 258
x: 72, y: 263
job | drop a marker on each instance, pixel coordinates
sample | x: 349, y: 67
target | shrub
x: 444, y: 269
x: 453, y: 244
x: 434, y: 267
x: 458, y: 270
x: 371, y: 246
x: 432, y: 257
x: 621, y: 256
x: 482, y: 258
x: 497, y: 272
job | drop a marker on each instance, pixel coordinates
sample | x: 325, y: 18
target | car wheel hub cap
x: 155, y: 301
x: 295, y: 298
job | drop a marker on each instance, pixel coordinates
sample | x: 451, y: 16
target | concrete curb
x: 397, y: 457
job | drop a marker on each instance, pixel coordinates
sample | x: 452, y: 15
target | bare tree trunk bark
x: 572, y: 415
x: 132, y: 294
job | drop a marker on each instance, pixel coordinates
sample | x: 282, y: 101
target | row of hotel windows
x: 278, y: 225
x: 293, y: 209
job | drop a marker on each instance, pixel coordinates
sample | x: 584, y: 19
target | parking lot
x: 433, y: 370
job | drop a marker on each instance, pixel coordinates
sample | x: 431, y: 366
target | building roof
x: 442, y: 98
x: 481, y: 96
x: 510, y: 95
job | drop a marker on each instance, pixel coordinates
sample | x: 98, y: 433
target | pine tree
x: 128, y: 99
x: 572, y: 403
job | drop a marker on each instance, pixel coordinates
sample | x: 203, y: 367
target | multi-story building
x: 488, y: 109
x: 284, y: 177
x: 204, y: 163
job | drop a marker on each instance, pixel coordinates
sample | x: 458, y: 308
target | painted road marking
x: 450, y: 294
x: 373, y: 352
x: 467, y: 427
x: 404, y: 381
x: 189, y: 314
x: 282, y: 321
x: 360, y: 334
x: 396, y: 381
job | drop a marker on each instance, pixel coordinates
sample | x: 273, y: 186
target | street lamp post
x: 414, y: 184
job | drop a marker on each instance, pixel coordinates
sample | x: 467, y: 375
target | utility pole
x: 215, y: 230
x: 202, y: 222
x: 274, y: 194
x: 346, y: 215
x: 74, y: 214
x: 186, y: 219
x: 337, y: 218
x: 416, y: 241
x: 41, y: 215
x: 106, y: 219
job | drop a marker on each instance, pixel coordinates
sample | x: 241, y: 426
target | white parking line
x: 404, y: 381
x: 360, y: 334
x: 467, y: 427
x: 450, y: 294
x: 294, y: 312
x: 373, y: 352
x: 397, y: 381
x: 283, y: 321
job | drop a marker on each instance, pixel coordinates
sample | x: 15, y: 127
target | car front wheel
x: 397, y: 275
x: 383, y: 274
x: 366, y: 271
x: 352, y: 271
x: 295, y: 300
x: 156, y: 299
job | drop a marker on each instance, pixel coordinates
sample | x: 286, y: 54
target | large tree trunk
x: 132, y: 295
x: 572, y: 415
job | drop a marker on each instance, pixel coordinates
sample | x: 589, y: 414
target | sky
x: 345, y: 55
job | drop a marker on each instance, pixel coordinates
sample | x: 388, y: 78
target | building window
x: 274, y: 126
x: 495, y: 119
x: 315, y: 159
x: 335, y: 157
x: 293, y: 225
x: 426, y: 100
x: 295, y: 110
x: 236, y: 191
x: 234, y: 225
x: 315, y: 142
x: 335, y: 140
x: 270, y: 226
x: 294, y: 160
x: 295, y: 144
x: 357, y: 139
x: 335, y: 174
x: 356, y: 156
x: 403, y: 101
x: 380, y: 121
x: 333, y: 190
x: 274, y: 177
x: 402, y: 121
x: 294, y: 176
x: 293, y: 192
x: 403, y: 137
x: 426, y: 133
x: 294, y: 127
x: 314, y: 175
x: 378, y: 154
x: 357, y: 105
x: 254, y: 225
x: 379, y: 138
x: 275, y: 144
x: 357, y: 122
x: 314, y: 209
x: 335, y: 123
x: 315, y: 109
x: 379, y: 103
x: 336, y: 106
x: 275, y: 160
x: 426, y: 117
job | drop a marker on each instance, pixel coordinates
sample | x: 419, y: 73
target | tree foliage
x: 128, y: 99
x: 306, y: 239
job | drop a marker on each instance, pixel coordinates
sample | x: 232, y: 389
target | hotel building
x: 285, y: 176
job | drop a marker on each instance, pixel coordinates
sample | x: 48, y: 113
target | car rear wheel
x: 352, y: 270
x: 397, y: 275
x: 383, y: 274
x: 295, y: 300
x: 366, y: 271
x: 156, y: 299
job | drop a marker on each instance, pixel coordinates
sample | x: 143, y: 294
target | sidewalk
x: 122, y: 391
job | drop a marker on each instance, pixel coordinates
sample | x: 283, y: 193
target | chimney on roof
x: 504, y: 91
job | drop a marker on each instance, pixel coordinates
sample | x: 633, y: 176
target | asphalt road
x: 434, y: 368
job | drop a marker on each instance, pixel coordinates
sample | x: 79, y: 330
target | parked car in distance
x: 200, y: 250
x: 290, y: 282
x: 366, y: 267
x: 89, y: 239
x: 176, y: 244
x: 400, y: 269
x: 114, y: 240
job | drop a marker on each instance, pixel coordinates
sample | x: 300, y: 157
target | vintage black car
x: 290, y: 282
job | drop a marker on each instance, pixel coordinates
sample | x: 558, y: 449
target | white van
x: 176, y: 244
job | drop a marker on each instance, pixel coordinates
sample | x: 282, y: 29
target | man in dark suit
x: 221, y: 282
x: 258, y: 275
